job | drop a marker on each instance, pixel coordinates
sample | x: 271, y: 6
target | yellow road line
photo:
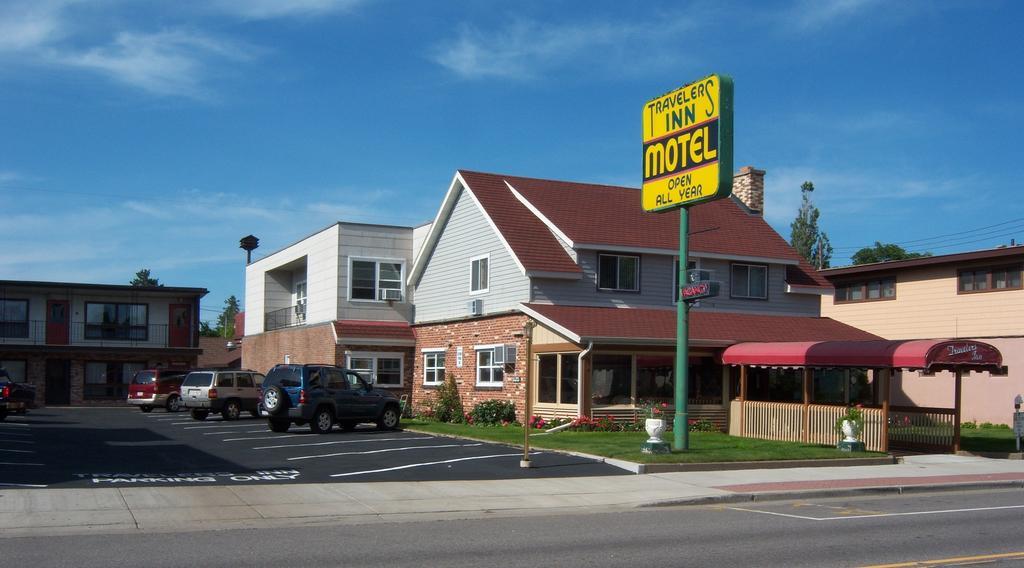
x: 959, y: 559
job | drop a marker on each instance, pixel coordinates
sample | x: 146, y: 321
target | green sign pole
x: 680, y: 424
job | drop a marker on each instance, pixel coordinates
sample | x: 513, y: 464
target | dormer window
x: 618, y: 273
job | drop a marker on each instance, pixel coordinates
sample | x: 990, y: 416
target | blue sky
x: 156, y: 134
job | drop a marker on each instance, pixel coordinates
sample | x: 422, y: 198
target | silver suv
x: 228, y: 392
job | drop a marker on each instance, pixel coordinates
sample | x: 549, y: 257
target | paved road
x: 983, y: 526
x: 122, y: 447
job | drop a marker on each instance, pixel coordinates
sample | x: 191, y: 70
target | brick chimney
x: 748, y: 188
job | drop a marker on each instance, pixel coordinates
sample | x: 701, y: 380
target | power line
x: 923, y: 242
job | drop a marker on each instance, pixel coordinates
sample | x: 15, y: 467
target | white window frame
x: 486, y: 288
x: 300, y: 315
x: 430, y: 351
x: 376, y: 356
x: 732, y: 284
x: 376, y: 277
x: 675, y: 275
x: 618, y: 272
x: 492, y: 366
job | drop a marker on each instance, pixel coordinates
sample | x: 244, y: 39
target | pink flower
x: 664, y: 405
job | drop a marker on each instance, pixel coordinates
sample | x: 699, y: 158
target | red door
x: 179, y: 330
x: 57, y: 322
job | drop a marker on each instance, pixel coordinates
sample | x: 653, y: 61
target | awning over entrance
x: 928, y: 354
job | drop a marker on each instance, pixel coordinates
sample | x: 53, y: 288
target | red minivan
x: 156, y: 387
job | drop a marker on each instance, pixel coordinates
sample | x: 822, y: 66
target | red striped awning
x: 911, y: 354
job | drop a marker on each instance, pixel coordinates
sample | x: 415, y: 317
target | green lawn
x: 704, y: 446
x: 987, y: 440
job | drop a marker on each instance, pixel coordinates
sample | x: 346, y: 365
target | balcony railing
x: 285, y: 317
x: 90, y: 334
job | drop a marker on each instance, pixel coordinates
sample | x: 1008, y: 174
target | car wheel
x: 348, y: 425
x: 389, y: 418
x: 323, y: 420
x: 278, y: 425
x: 274, y: 399
x: 146, y: 408
x: 232, y: 410
x: 199, y: 414
x: 174, y: 403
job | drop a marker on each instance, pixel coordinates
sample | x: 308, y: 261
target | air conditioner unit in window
x: 390, y: 294
x: 510, y: 355
x: 476, y: 307
x: 505, y: 355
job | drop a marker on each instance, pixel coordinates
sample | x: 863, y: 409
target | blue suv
x: 324, y: 395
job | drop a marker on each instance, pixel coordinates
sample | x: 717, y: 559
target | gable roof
x: 1000, y: 254
x: 527, y: 213
x: 654, y: 326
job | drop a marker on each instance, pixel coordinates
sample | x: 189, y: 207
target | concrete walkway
x: 34, y: 512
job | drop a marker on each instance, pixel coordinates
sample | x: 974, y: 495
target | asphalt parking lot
x: 120, y: 447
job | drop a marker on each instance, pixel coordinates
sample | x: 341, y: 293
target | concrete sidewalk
x: 34, y: 512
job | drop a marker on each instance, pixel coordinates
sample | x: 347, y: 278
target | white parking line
x: 266, y: 437
x: 233, y: 432
x: 21, y: 463
x: 23, y: 424
x: 218, y: 426
x: 877, y: 515
x: 341, y: 442
x: 23, y: 485
x: 18, y: 451
x: 412, y: 465
x: 368, y: 452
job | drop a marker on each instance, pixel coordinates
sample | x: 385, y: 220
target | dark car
x: 15, y: 397
x: 324, y: 395
x: 156, y: 387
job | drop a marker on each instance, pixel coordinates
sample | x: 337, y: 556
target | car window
x: 144, y: 378
x: 226, y: 380
x: 198, y: 380
x: 285, y: 375
x: 354, y: 379
x: 244, y: 380
x: 336, y: 379
x: 258, y: 378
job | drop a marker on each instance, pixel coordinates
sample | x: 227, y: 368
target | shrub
x: 447, y: 404
x: 970, y: 425
x: 703, y: 425
x: 493, y: 412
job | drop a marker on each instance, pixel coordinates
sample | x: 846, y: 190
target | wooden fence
x: 921, y: 428
x: 786, y: 421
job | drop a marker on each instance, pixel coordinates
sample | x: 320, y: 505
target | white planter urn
x: 655, y: 428
x: 850, y: 431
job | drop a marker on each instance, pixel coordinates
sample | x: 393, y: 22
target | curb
x: 836, y: 492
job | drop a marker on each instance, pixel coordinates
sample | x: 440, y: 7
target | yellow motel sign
x: 687, y: 141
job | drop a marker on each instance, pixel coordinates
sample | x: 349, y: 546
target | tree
x: 811, y: 242
x: 206, y: 331
x: 144, y: 278
x: 883, y: 252
x: 226, y: 319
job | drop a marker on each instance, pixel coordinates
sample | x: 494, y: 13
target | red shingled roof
x: 534, y: 245
x: 611, y: 324
x: 374, y: 329
x: 595, y: 214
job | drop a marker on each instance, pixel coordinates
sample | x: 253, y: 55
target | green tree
x: 226, y: 319
x: 882, y: 252
x: 806, y: 237
x: 144, y: 278
x: 206, y: 331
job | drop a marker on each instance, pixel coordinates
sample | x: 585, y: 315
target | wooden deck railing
x: 785, y: 421
x: 921, y: 427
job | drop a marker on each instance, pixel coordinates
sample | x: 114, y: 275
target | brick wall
x: 312, y: 344
x: 507, y: 329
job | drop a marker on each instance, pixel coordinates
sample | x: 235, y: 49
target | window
x: 244, y: 380
x: 335, y: 379
x: 371, y: 277
x: 479, y: 274
x: 299, y: 298
x: 557, y: 378
x: 108, y: 380
x: 226, y: 380
x: 866, y: 291
x: 433, y: 367
x: 690, y: 265
x: 612, y: 379
x: 619, y: 273
x: 15, y: 370
x: 13, y: 318
x: 989, y: 279
x: 384, y: 368
x: 750, y: 281
x: 488, y: 373
x: 117, y: 321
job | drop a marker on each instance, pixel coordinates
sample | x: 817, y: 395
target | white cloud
x: 29, y: 24
x: 817, y: 14
x: 525, y: 48
x: 267, y: 9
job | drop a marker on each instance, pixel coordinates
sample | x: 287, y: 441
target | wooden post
x: 956, y: 410
x: 808, y: 374
x: 883, y: 387
x: 743, y: 398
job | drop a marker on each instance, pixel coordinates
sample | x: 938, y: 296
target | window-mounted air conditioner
x: 476, y: 307
x: 505, y: 355
x: 390, y: 294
